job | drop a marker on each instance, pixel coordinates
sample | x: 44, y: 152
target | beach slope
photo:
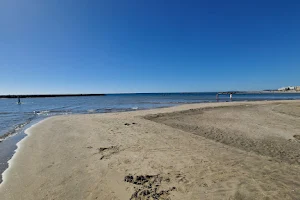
x: 237, y: 150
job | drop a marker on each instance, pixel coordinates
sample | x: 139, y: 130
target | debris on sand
x: 148, y: 187
x: 297, y: 137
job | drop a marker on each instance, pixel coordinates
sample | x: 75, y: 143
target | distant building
x: 297, y: 88
x: 282, y: 89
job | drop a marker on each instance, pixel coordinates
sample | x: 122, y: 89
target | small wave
x: 15, y: 130
x: 44, y: 112
x: 169, y: 102
x: 5, y: 113
x: 149, y: 102
x: 51, y: 112
x: 135, y: 108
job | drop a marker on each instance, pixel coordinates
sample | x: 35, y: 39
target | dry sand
x: 245, y: 150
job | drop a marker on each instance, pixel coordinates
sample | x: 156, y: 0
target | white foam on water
x: 44, y: 112
x: 7, y: 172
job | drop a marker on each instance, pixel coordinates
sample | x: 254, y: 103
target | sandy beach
x: 234, y: 150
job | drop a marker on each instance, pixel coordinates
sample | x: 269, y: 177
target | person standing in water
x: 230, y: 96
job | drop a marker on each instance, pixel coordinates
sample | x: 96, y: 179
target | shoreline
x: 118, y: 116
x: 47, y: 95
x: 9, y: 144
x: 18, y: 144
x: 27, y: 133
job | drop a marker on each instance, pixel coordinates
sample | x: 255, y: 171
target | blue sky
x: 111, y: 46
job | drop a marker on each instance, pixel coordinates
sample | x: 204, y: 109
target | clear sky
x: 87, y: 46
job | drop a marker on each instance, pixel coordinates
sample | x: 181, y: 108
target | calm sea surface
x: 14, y: 118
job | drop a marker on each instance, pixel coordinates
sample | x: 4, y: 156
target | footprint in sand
x: 128, y: 124
x: 107, y: 152
x: 297, y: 137
x: 148, y: 186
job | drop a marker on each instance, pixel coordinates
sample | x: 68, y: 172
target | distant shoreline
x: 271, y: 91
x: 47, y: 95
x: 282, y: 92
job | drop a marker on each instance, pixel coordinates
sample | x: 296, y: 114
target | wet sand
x: 238, y: 150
